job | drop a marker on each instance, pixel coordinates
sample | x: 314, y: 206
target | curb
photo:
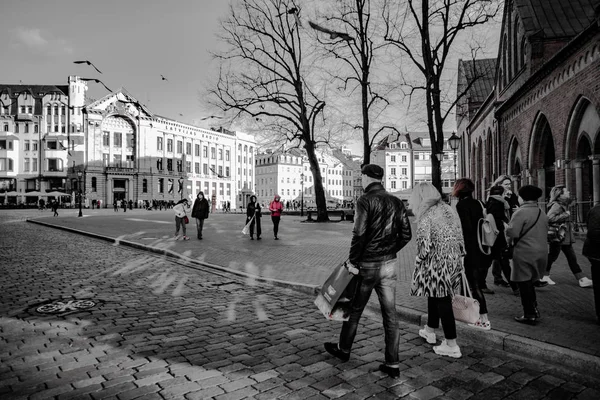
x: 498, y: 340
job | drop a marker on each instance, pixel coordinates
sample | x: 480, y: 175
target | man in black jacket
x: 381, y: 229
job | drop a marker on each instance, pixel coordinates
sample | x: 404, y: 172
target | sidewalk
x: 567, y: 334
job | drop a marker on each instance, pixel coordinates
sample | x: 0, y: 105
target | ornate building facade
x: 124, y: 152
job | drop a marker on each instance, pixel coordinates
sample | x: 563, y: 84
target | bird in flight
x: 97, y: 81
x: 332, y: 34
x: 163, y: 78
x: 212, y: 116
x: 88, y: 63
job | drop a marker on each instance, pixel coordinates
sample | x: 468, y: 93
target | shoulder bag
x: 510, y: 249
x: 465, y: 308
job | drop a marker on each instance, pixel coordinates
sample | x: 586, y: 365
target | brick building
x: 541, y: 122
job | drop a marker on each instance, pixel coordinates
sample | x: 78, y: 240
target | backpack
x: 487, y: 232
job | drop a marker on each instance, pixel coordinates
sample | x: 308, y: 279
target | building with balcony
x: 124, y: 151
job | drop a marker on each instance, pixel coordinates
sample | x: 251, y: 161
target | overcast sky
x: 131, y: 42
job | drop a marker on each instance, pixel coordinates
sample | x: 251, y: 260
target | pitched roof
x: 34, y: 89
x: 556, y: 18
x: 482, y: 73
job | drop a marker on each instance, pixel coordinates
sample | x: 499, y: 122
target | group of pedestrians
x: 201, y: 209
x: 448, y: 247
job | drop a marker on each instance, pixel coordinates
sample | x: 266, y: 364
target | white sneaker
x: 484, y: 326
x: 445, y: 350
x: 546, y: 278
x: 428, y: 336
x: 585, y: 282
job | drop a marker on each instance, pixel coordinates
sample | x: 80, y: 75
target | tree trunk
x: 318, y: 181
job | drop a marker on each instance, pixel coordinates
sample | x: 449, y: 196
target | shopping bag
x: 335, y: 297
x: 246, y: 229
x: 465, y: 308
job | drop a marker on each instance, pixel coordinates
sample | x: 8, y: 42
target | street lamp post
x: 302, y: 195
x: 454, y: 142
x: 79, y: 175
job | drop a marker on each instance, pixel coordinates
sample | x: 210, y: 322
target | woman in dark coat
x: 200, y: 212
x: 254, y: 210
x: 591, y: 249
x: 470, y: 211
x: 500, y: 209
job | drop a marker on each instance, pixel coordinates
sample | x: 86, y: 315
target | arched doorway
x: 583, y: 151
x: 515, y: 165
x: 542, y: 156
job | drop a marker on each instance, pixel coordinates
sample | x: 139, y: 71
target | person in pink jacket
x: 276, y: 207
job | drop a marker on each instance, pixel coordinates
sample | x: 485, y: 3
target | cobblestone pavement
x: 161, y: 330
x: 307, y: 251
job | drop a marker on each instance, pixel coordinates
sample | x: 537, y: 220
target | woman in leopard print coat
x: 438, y: 265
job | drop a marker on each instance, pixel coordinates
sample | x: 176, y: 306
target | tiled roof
x: 556, y: 18
x: 34, y: 89
x: 484, y: 70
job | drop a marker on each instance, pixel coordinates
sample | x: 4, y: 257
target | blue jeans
x: 380, y: 276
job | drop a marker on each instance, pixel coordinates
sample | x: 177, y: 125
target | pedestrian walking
x: 55, y: 208
x: 527, y: 231
x: 124, y: 205
x: 439, y: 264
x: 476, y: 263
x: 498, y: 206
x: 276, y: 208
x: 381, y: 229
x: 254, y: 211
x: 591, y: 249
x: 115, y: 205
x: 180, y: 210
x: 559, y: 217
x: 42, y: 204
x: 130, y: 204
x: 200, y: 212
x: 498, y: 268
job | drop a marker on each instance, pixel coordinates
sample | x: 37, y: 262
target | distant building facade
x: 287, y: 173
x: 122, y: 149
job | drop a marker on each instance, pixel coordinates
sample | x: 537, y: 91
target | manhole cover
x: 64, y: 306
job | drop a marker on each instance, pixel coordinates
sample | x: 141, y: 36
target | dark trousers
x: 440, y: 308
x: 501, y: 266
x: 199, y: 226
x: 568, y: 251
x: 528, y: 298
x: 255, y: 222
x: 379, y: 276
x: 275, y: 225
x: 474, y: 276
x: 596, y: 278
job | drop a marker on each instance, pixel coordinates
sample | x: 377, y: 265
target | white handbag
x: 465, y: 308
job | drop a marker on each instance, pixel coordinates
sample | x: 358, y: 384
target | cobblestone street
x: 160, y: 330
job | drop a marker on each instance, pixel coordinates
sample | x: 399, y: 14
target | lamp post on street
x: 302, y: 195
x: 79, y: 175
x: 454, y: 142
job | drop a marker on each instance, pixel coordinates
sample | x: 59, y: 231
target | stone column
x: 596, y: 177
x: 541, y: 182
x: 579, y: 186
x: 568, y: 172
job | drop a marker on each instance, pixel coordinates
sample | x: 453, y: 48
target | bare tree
x: 355, y: 43
x: 266, y: 75
x: 427, y: 32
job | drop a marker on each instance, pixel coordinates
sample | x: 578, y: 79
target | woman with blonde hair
x: 560, y: 217
x: 438, y: 265
x: 511, y: 198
